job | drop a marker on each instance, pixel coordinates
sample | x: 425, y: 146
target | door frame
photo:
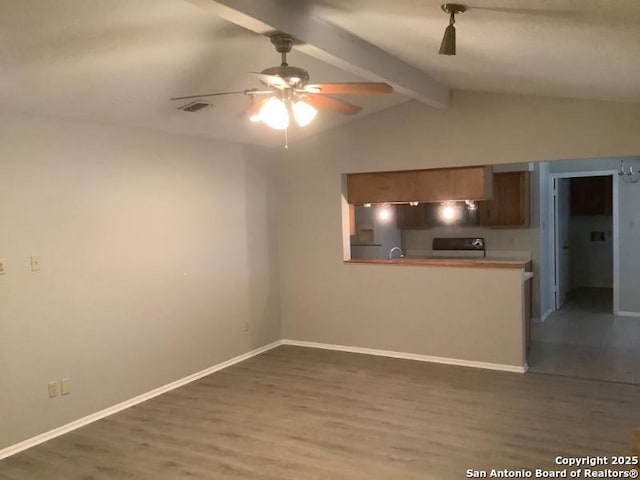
x: 552, y: 241
x: 559, y: 243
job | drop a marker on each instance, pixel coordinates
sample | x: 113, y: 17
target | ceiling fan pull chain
x: 286, y: 138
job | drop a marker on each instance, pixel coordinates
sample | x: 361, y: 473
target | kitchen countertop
x: 485, y: 262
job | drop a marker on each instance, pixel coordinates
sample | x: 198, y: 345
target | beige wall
x: 156, y: 250
x: 425, y: 310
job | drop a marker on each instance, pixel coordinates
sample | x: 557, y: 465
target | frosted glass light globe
x: 274, y: 114
x: 303, y: 113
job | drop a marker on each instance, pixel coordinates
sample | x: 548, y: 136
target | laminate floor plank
x: 294, y: 413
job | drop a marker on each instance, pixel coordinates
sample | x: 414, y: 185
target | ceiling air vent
x: 194, y: 106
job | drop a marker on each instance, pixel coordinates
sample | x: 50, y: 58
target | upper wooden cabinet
x: 509, y: 206
x: 352, y: 219
x: 381, y: 187
x: 592, y: 195
x: 436, y: 185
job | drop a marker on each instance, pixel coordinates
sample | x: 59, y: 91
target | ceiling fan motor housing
x: 294, y: 76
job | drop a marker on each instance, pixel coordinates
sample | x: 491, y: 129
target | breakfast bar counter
x: 483, y: 262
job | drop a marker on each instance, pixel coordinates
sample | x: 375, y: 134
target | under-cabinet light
x: 384, y: 213
x: 449, y: 212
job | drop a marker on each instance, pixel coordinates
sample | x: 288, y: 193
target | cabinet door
x: 591, y: 195
x: 509, y: 207
x: 433, y: 185
x: 381, y: 187
x: 470, y: 183
x: 352, y: 219
x: 411, y: 218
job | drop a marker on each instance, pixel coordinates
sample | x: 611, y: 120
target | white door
x: 562, y: 252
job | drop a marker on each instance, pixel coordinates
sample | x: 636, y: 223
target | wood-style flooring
x: 298, y: 413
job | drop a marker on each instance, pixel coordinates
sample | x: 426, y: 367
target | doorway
x: 582, y: 336
x: 584, y: 242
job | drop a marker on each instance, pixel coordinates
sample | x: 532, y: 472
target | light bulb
x: 255, y: 118
x: 303, y: 113
x: 449, y: 212
x: 384, y: 214
x: 274, y: 114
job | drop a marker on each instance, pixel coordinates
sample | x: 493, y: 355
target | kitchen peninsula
x: 488, y: 262
x: 476, y: 311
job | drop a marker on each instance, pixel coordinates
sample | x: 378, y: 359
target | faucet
x: 393, y: 250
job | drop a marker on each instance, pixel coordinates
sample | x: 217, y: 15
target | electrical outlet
x: 65, y: 386
x: 35, y: 263
x: 53, y: 388
x: 1, y: 267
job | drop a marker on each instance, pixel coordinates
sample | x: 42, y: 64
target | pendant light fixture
x: 448, y: 45
x: 628, y: 174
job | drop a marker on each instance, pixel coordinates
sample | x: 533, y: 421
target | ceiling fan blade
x: 254, y: 108
x: 208, y: 95
x: 271, y: 80
x: 355, y: 88
x: 333, y: 104
x: 250, y: 91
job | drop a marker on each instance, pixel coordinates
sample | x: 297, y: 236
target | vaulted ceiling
x: 119, y: 61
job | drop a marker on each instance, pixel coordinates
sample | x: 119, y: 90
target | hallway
x: 585, y: 340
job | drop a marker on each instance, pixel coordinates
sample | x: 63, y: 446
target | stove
x: 459, y: 247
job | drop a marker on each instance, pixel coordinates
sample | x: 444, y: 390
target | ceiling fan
x: 288, y: 93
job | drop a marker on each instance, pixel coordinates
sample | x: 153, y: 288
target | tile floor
x: 584, y: 339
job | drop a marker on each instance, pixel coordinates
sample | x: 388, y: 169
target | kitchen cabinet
x: 352, y: 219
x: 434, y: 185
x: 591, y: 195
x: 411, y: 217
x: 382, y: 187
x: 509, y: 205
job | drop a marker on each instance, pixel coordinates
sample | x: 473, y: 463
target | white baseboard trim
x: 628, y: 314
x: 409, y: 356
x: 81, y: 422
x: 546, y: 314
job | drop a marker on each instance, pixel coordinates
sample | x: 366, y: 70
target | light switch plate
x: 65, y: 386
x: 53, y: 388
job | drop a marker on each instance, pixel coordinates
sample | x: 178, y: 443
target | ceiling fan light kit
x: 448, y: 45
x: 303, y: 113
x: 288, y: 94
x: 274, y: 114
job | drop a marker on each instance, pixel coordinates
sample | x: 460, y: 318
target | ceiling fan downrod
x: 283, y: 43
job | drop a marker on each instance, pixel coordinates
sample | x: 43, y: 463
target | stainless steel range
x: 459, y: 247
